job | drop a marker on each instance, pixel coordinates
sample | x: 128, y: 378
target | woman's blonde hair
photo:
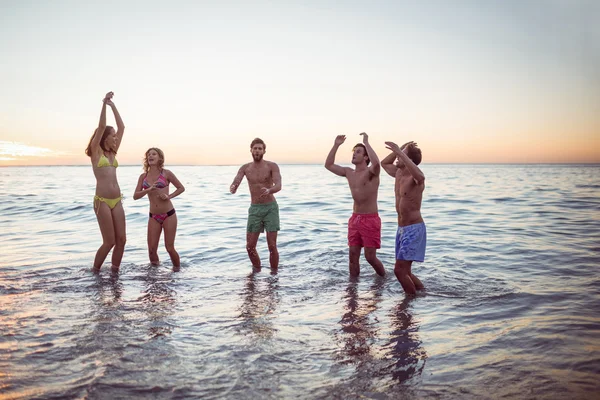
x: 161, y: 161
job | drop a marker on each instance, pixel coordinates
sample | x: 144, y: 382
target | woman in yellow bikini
x: 155, y: 183
x: 102, y: 151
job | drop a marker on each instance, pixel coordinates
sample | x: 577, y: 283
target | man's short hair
x: 258, y: 141
x: 365, y: 149
x: 414, y: 153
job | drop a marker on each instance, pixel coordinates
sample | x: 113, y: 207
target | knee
x: 371, y: 258
x: 400, y: 269
x: 272, y: 248
x: 251, y: 249
x: 170, y: 248
x: 120, y: 242
x: 110, y: 243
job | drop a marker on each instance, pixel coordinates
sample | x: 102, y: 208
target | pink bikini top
x: 161, y: 182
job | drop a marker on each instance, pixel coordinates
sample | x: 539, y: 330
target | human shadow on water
x: 358, y: 332
x: 158, y: 301
x: 404, y: 347
x: 260, y: 298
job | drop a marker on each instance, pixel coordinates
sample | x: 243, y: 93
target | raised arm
x: 375, y: 167
x: 388, y: 164
x: 238, y: 179
x: 118, y: 119
x: 415, y: 171
x: 95, y: 143
x: 179, y: 188
x: 329, y: 162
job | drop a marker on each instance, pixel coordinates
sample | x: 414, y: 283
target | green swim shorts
x: 263, y: 216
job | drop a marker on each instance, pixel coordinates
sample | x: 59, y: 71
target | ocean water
x: 511, y: 310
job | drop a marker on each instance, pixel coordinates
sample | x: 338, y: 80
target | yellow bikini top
x: 103, y: 162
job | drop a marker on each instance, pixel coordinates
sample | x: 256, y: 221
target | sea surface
x: 511, y: 307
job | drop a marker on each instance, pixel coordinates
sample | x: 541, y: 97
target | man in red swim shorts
x: 364, y: 227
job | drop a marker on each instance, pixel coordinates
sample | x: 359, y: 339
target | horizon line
x: 233, y: 165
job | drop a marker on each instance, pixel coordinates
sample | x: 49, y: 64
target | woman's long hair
x: 107, y: 131
x: 161, y: 161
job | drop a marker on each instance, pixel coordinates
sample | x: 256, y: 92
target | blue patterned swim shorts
x: 410, y: 242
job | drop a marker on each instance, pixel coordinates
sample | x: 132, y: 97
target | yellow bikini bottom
x: 112, y: 203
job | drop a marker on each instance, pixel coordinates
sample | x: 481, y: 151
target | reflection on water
x: 108, y: 290
x: 405, y: 346
x: 259, y: 300
x: 213, y: 331
x: 106, y: 325
x: 357, y: 331
x: 385, y: 354
x: 158, y: 301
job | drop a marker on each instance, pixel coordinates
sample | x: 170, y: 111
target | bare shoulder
x: 272, y: 165
x: 245, y: 167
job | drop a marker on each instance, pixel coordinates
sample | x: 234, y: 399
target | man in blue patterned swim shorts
x: 411, y: 237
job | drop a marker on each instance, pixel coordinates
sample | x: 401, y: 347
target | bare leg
x: 418, y: 284
x: 154, y: 232
x: 251, y: 240
x: 118, y: 216
x: 105, y: 221
x: 402, y: 271
x: 354, y: 257
x: 273, y: 252
x: 371, y: 256
x: 170, y: 226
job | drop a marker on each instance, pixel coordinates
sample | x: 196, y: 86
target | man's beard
x: 258, y: 157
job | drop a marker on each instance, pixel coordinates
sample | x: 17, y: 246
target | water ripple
x: 511, y: 276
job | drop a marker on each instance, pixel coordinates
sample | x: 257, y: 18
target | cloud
x: 14, y: 150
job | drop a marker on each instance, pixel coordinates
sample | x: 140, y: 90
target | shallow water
x: 510, y: 310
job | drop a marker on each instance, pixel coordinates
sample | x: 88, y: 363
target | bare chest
x: 259, y: 175
x: 359, y: 180
x: 406, y: 187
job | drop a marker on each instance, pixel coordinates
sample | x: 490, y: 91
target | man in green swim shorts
x: 264, y: 180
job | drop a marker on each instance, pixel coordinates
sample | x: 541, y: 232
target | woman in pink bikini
x: 155, y: 183
x: 102, y: 150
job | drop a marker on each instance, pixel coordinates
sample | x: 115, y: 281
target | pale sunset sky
x: 469, y: 80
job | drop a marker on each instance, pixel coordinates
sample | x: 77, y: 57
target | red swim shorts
x: 364, y: 230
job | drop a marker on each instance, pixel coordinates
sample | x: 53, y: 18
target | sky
x: 477, y: 81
